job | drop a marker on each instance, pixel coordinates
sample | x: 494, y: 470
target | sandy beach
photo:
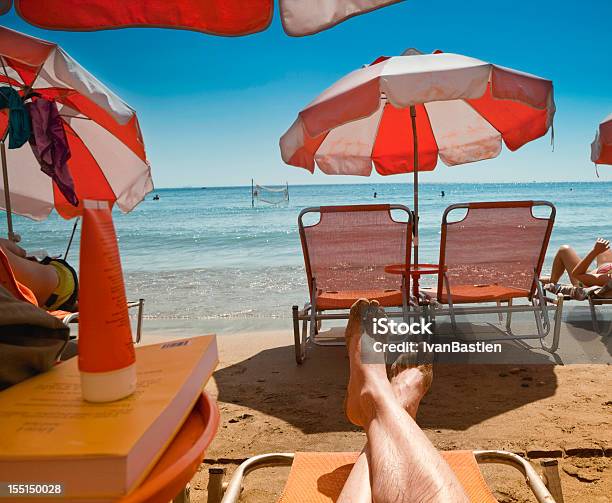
x: 253, y: 168
x: 269, y: 404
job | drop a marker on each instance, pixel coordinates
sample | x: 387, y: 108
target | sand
x: 269, y: 404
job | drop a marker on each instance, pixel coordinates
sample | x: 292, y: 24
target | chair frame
x: 541, y: 487
x: 310, y: 316
x: 539, y: 303
x: 593, y: 303
x: 138, y: 304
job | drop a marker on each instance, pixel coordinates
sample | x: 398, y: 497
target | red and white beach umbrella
x: 108, y: 160
x: 601, y: 148
x: 454, y: 107
x: 216, y: 17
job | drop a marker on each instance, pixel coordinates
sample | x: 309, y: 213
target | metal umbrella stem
x: 74, y: 228
x: 415, y: 145
x: 7, y: 194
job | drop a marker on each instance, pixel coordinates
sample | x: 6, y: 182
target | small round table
x: 415, y: 271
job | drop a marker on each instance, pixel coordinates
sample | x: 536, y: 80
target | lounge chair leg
x: 540, y: 312
x: 550, y: 475
x: 594, y: 316
x: 215, y: 485
x: 139, y: 320
x: 297, y: 340
x: 509, y: 318
x: 183, y: 496
x: 556, y: 326
x: 500, y: 316
x: 542, y: 316
x: 538, y: 321
x: 313, y: 323
x: 450, y: 305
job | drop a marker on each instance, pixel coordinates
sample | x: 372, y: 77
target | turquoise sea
x: 203, y: 258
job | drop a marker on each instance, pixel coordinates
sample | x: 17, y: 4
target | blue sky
x: 212, y: 108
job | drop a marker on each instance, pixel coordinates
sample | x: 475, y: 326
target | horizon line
x: 203, y: 187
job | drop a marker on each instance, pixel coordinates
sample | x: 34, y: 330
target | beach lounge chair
x: 22, y: 292
x: 319, y: 477
x: 596, y: 296
x: 595, y: 301
x: 345, y: 255
x: 492, y: 252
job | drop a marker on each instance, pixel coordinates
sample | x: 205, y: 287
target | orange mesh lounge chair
x: 345, y: 254
x: 493, y: 253
x: 22, y: 292
x: 319, y: 477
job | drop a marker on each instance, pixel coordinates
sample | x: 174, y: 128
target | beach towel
x: 19, y: 125
x: 50, y: 145
x: 31, y: 340
x: 580, y: 293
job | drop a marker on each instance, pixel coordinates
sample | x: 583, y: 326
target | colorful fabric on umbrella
x: 107, y: 161
x: 19, y: 127
x: 50, y: 145
x: 217, y: 17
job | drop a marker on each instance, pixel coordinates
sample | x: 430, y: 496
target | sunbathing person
x: 579, y: 270
x: 399, y: 463
x: 53, y: 282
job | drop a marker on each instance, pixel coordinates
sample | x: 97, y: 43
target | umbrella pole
x: 7, y: 194
x: 415, y: 241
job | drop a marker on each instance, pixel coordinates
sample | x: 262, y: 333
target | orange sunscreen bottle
x: 106, y: 352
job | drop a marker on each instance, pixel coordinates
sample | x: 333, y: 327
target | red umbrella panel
x: 217, y: 17
x: 601, y: 148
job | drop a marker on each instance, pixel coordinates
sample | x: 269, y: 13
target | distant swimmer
x: 375, y: 194
x: 156, y: 197
x: 442, y: 194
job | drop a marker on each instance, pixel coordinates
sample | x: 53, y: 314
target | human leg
x: 409, y: 385
x: 403, y: 464
x: 565, y: 260
x: 41, y: 279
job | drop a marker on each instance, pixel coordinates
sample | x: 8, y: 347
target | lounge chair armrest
x: 534, y: 481
x: 232, y: 492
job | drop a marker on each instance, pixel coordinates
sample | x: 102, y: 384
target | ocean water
x: 204, y: 258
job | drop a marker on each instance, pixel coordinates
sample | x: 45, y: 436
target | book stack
x: 101, y: 451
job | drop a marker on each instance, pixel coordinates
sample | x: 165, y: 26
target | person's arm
x: 581, y: 273
x: 12, y: 247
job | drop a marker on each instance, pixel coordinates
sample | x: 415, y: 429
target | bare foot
x: 410, y: 383
x: 364, y: 378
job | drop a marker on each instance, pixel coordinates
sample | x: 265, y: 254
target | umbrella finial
x: 411, y: 51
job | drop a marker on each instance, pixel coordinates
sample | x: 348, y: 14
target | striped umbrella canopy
x: 108, y: 160
x: 400, y: 114
x: 601, y: 148
x: 217, y: 17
